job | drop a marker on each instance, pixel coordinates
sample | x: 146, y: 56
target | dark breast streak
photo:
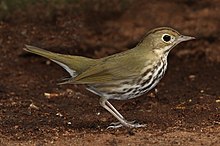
x: 148, y: 80
x: 149, y: 83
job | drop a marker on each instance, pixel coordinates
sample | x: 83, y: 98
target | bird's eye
x: 166, y: 38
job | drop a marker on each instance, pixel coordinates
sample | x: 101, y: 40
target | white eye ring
x: 167, y: 38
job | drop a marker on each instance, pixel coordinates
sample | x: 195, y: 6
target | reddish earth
x: 185, y: 111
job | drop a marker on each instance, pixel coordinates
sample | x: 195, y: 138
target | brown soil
x: 185, y: 111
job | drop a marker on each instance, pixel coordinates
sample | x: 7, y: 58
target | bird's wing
x: 110, y: 70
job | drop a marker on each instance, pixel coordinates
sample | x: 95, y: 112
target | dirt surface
x: 37, y: 111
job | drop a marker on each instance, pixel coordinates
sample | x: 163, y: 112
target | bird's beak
x: 183, y: 38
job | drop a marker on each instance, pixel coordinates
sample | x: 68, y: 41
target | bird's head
x: 162, y: 40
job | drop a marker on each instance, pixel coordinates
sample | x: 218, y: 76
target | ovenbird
x: 121, y: 76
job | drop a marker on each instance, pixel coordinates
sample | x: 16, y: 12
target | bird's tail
x: 74, y: 65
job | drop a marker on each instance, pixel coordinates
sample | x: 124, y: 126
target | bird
x: 121, y: 76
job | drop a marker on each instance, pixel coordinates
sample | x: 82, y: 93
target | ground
x: 37, y: 111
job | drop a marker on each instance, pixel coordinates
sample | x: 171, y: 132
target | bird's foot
x: 129, y: 124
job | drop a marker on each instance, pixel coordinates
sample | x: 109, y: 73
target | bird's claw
x: 130, y: 124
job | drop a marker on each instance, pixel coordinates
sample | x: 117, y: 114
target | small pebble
x: 217, y: 101
x: 48, y: 62
x: 51, y: 95
x: 59, y: 114
x: 32, y: 106
x: 192, y: 77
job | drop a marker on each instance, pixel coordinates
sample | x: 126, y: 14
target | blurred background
x: 34, y: 108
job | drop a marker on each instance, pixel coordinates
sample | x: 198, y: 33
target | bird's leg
x: 114, y: 110
x: 122, y: 121
x: 103, y: 102
x: 117, y: 123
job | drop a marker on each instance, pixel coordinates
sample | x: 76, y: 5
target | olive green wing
x: 110, y: 70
